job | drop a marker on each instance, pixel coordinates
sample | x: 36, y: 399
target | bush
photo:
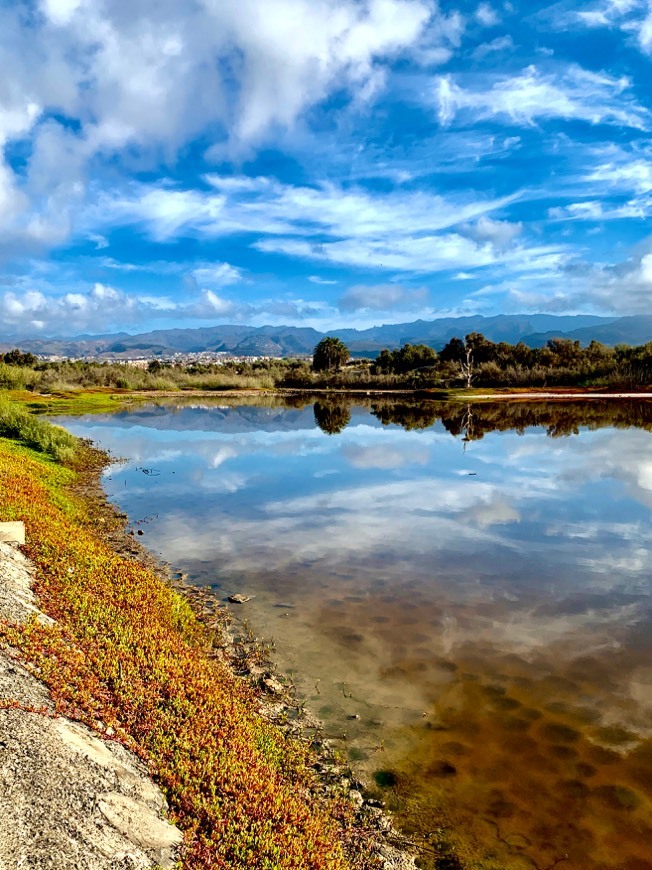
x: 16, y: 377
x: 38, y: 434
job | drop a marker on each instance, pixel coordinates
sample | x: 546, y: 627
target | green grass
x: 18, y: 424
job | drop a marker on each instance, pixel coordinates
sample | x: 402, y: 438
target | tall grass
x: 20, y: 425
x: 69, y: 376
x: 16, y: 377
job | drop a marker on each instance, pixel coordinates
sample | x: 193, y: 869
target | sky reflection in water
x: 484, y: 611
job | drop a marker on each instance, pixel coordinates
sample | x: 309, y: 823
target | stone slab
x: 13, y: 533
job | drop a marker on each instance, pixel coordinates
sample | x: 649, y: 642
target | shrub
x: 22, y: 426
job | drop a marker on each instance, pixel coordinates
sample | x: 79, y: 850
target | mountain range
x: 533, y: 329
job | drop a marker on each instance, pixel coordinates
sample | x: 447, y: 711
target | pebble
x: 356, y: 797
x: 273, y: 686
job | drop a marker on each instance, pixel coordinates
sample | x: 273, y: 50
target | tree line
x: 475, y: 361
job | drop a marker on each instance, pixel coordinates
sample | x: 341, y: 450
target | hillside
x: 240, y: 340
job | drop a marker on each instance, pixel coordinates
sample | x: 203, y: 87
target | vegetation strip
x: 472, y: 362
x: 128, y: 657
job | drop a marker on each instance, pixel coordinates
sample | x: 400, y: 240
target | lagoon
x: 462, y: 593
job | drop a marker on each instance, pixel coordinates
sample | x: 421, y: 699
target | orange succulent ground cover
x: 127, y: 656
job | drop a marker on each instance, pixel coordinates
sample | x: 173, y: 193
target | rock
x: 141, y: 825
x: 356, y: 798
x: 68, y: 799
x: 272, y: 685
x: 240, y: 599
x: 13, y: 533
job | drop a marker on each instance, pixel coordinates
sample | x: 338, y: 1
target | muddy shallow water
x: 462, y: 594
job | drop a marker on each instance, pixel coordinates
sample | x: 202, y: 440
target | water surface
x: 462, y: 594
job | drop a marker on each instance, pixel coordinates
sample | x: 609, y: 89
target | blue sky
x: 321, y: 162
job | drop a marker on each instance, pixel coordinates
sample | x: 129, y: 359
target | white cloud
x: 487, y: 15
x: 211, y: 305
x: 400, y: 230
x: 623, y: 288
x: 216, y: 274
x: 32, y: 305
x: 630, y: 16
x: 382, y: 297
x: 315, y: 279
x: 413, y: 254
x: 572, y: 93
x: 31, y: 310
x: 139, y: 80
x: 645, y: 34
x: 500, y: 234
x: 422, y: 254
x: 628, y: 174
x: 500, y: 43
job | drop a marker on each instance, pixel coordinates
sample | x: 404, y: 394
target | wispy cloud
x: 265, y: 206
x: 630, y: 16
x: 500, y: 43
x: 315, y: 279
x: 570, y: 93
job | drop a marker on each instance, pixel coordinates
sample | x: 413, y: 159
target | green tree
x: 15, y: 357
x: 454, y: 351
x: 330, y: 354
x: 407, y: 359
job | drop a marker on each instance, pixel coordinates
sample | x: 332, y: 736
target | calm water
x: 470, y: 584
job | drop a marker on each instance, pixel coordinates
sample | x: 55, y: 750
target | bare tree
x: 467, y: 365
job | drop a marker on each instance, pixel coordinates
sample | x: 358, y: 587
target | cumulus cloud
x: 487, y: 15
x: 27, y: 310
x: 384, y: 456
x: 31, y: 310
x: 88, y: 81
x: 500, y: 234
x: 381, y: 297
x: 570, y: 93
x: 577, y: 285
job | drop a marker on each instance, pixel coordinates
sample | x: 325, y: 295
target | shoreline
x: 248, y: 659
x: 372, y: 839
x: 108, y: 400
x: 420, y: 394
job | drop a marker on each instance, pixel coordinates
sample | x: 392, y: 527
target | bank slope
x: 127, y: 656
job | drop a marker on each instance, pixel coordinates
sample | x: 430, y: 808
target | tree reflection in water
x: 474, y: 420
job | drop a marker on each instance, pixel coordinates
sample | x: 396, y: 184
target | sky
x: 322, y: 163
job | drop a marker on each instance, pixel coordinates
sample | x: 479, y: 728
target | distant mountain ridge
x: 533, y: 329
